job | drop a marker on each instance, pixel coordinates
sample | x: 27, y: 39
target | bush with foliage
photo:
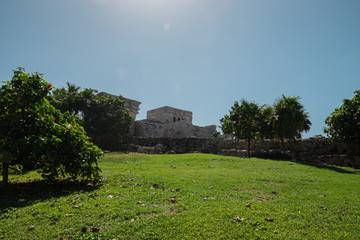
x: 33, y: 133
x: 344, y: 122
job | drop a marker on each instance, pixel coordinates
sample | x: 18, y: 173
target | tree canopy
x: 289, y: 118
x: 34, y: 133
x: 102, y: 115
x: 344, y: 122
x: 243, y: 121
x: 286, y: 119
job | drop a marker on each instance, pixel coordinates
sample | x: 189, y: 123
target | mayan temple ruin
x: 165, y: 122
x: 169, y: 122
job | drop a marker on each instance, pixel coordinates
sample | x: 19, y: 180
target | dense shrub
x: 34, y: 133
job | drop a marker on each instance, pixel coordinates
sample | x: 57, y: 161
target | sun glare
x: 157, y: 6
x: 162, y: 10
x: 153, y: 6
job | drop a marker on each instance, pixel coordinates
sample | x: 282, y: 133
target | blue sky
x: 197, y: 55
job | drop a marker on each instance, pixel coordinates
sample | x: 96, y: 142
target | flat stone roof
x: 166, y: 108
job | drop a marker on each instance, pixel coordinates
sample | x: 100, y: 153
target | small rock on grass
x: 31, y: 228
x: 77, y: 206
x: 208, y: 198
x: 238, y: 219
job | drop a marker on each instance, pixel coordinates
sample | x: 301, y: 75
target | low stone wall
x: 176, y: 145
x: 306, y: 150
x: 311, y: 150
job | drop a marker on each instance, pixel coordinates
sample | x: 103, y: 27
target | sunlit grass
x: 191, y: 196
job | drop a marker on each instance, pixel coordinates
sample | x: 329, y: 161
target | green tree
x: 265, y: 121
x: 242, y: 121
x: 34, y: 133
x: 103, y: 116
x: 68, y: 99
x: 344, y: 123
x: 289, y: 118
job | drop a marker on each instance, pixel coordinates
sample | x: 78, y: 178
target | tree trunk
x: 248, y: 147
x: 5, y: 173
x: 5, y: 167
x: 236, y: 147
x: 293, y: 152
x: 282, y: 145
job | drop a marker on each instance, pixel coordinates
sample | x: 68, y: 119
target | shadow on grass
x: 330, y: 167
x: 280, y: 156
x: 22, y: 194
x: 317, y: 165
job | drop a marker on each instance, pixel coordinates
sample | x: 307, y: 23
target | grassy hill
x: 189, y: 196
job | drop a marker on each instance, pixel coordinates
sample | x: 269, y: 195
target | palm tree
x: 289, y: 118
x: 265, y: 123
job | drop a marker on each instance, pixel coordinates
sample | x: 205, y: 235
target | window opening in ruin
x: 178, y: 119
x: 174, y: 119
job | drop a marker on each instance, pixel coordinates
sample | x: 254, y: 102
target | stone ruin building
x: 169, y: 122
x: 165, y: 122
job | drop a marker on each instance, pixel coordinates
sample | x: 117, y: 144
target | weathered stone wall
x: 133, y: 107
x: 307, y: 150
x: 169, y: 122
x: 154, y: 129
x: 169, y: 114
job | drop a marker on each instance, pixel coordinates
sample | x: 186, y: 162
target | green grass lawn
x: 189, y: 196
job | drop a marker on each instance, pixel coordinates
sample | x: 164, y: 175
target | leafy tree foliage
x: 344, y: 122
x: 34, y: 133
x: 69, y: 99
x: 265, y: 121
x: 289, y: 118
x: 102, y: 115
x: 243, y: 121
